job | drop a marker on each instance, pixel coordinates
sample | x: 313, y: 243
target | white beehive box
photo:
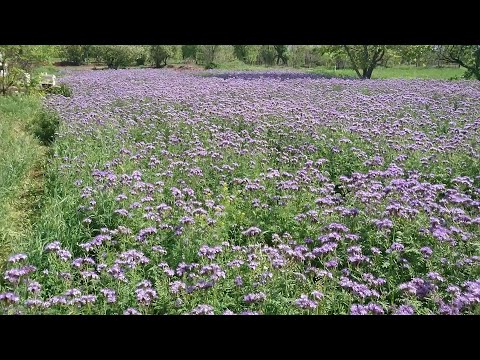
x: 3, y: 67
x: 48, y: 80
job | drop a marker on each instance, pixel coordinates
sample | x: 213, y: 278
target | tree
x: 299, y: 55
x: 159, y: 54
x: 189, y: 52
x: 467, y: 56
x: 117, y: 56
x: 247, y: 53
x: 76, y: 54
x: 415, y: 54
x: 17, y: 60
x: 207, y: 54
x: 281, y: 53
x: 267, y: 55
x: 365, y: 58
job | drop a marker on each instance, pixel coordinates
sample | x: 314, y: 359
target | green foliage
x: 267, y: 54
x: 159, y: 54
x: 413, y: 54
x: 25, y: 57
x: 298, y: 55
x: 45, y: 125
x: 247, y: 53
x: 189, y: 52
x: 62, y: 89
x: 76, y: 54
x: 20, y: 154
x: 18, y: 60
x: 207, y: 54
x: 118, y: 56
x: 281, y: 54
x: 141, y: 55
x: 467, y: 56
x: 364, y: 58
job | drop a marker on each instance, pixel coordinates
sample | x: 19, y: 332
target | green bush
x: 75, y: 54
x: 189, y: 52
x: 117, y: 56
x: 267, y: 55
x: 62, y: 89
x: 44, y: 126
x: 211, y: 66
x: 140, y: 60
x: 159, y: 54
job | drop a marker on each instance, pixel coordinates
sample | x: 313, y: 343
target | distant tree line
x: 363, y: 59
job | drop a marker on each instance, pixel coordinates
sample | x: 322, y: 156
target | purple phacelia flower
x: 371, y: 308
x: 435, y: 276
x: 396, y: 247
x: 249, y: 312
x: 209, y: 252
x: 426, y: 252
x: 418, y: 287
x: 144, y: 233
x: 89, y: 275
x: 13, y: 275
x: 305, y: 303
x: 17, y: 258
x: 33, y: 303
x: 202, y: 309
x: 9, y: 297
x: 176, y: 286
x: 110, y: 295
x: 405, y: 310
x: 331, y: 263
x: 252, y: 231
x: 254, y: 297
x: 34, y: 287
x: 238, y: 281
x: 384, y: 224
x: 317, y: 294
x: 131, y: 311
x: 54, y: 246
x: 159, y: 249
x: 145, y: 295
x: 64, y: 254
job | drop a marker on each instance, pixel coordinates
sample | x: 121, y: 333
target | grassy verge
x: 404, y: 72
x: 400, y: 72
x: 21, y: 162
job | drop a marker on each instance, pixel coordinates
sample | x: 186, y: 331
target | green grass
x: 50, y: 69
x: 403, y: 72
x: 237, y: 65
x: 398, y: 72
x: 21, y: 157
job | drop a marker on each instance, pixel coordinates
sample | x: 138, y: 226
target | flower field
x: 172, y: 193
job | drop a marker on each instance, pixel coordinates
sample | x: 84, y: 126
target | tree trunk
x: 364, y: 73
x: 352, y: 60
x: 369, y: 73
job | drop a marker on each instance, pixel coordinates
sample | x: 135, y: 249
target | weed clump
x: 44, y: 126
